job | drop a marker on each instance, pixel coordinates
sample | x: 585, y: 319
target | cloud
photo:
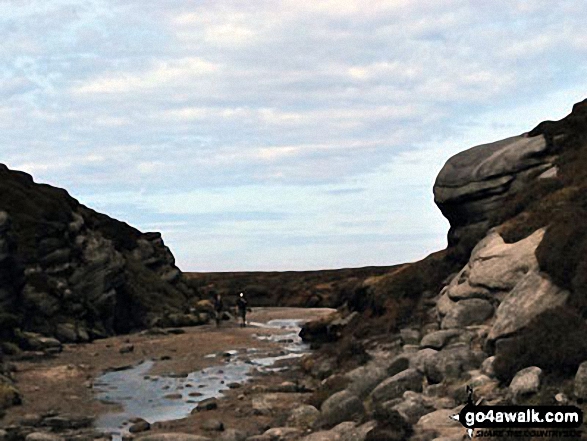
x: 336, y: 114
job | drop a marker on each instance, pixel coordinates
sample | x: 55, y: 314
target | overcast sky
x: 267, y: 134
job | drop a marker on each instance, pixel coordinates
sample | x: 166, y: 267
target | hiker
x: 218, y: 307
x: 241, y: 304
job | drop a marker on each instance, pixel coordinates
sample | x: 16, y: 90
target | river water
x: 163, y: 398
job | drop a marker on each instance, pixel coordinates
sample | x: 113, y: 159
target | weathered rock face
x: 473, y: 184
x: 70, y: 272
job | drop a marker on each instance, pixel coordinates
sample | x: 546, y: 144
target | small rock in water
x: 208, y: 404
x: 233, y: 385
x: 195, y: 394
x: 139, y: 426
x: 173, y: 396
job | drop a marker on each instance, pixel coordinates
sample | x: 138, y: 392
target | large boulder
x: 473, y: 184
x: 533, y: 295
x: 394, y: 387
x: 342, y: 406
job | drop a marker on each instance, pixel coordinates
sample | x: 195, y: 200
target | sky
x: 277, y: 135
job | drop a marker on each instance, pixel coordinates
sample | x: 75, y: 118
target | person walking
x: 218, y: 308
x: 241, y: 304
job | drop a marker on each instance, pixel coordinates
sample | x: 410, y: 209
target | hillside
x: 69, y: 272
x: 502, y: 309
x: 325, y: 288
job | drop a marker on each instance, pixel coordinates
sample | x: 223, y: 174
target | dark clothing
x: 241, y: 304
x: 218, y: 307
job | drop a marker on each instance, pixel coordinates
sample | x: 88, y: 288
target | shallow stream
x: 157, y: 398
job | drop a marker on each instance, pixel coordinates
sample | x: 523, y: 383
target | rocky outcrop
x: 472, y: 185
x: 71, y: 273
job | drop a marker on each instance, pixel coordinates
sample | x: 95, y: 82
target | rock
x: 444, y: 304
x: 440, y: 422
x: 487, y: 366
x: 423, y: 358
x: 363, y: 379
x: 232, y: 435
x: 533, y: 295
x: 581, y: 381
x: 126, y: 349
x: 265, y: 403
x: 467, y: 312
x: 394, y: 387
x: 212, y: 425
x: 450, y: 363
x: 175, y: 436
x: 439, y: 339
x: 397, y: 364
x: 474, y: 183
x: 63, y: 422
x: 3, y: 433
x: 410, y: 336
x: 259, y: 438
x: 207, y: 404
x: 139, y: 426
x: 342, y: 406
x: 304, y: 416
x: 282, y: 433
x: 413, y: 407
x: 500, y: 266
x: 30, y: 419
x: 42, y: 436
x: 326, y: 435
x: 357, y: 433
x: 526, y: 382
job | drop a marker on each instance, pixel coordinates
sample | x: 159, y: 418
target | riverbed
x: 160, y: 377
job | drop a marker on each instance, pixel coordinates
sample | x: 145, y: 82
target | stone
x: 139, y: 426
x: 43, y: 436
x: 413, y: 407
x: 440, y: 421
x: 207, y: 404
x: 533, y: 295
x: 423, y: 358
x: 358, y: 433
x: 525, y: 383
x: 487, y: 366
x: 175, y: 436
x: 326, y: 435
x: 394, y: 387
x: 467, y: 312
x: 304, y: 416
x: 212, y: 425
x: 397, y: 364
x: 342, y: 406
x: 451, y: 362
x: 232, y: 435
x: 265, y: 403
x: 363, y: 379
x: 500, y: 266
x: 444, y: 304
x: 282, y: 433
x: 63, y: 422
x: 474, y: 183
x: 581, y: 381
x: 126, y: 349
x: 439, y: 339
x: 410, y: 336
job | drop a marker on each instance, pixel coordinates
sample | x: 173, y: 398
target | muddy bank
x: 73, y: 382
